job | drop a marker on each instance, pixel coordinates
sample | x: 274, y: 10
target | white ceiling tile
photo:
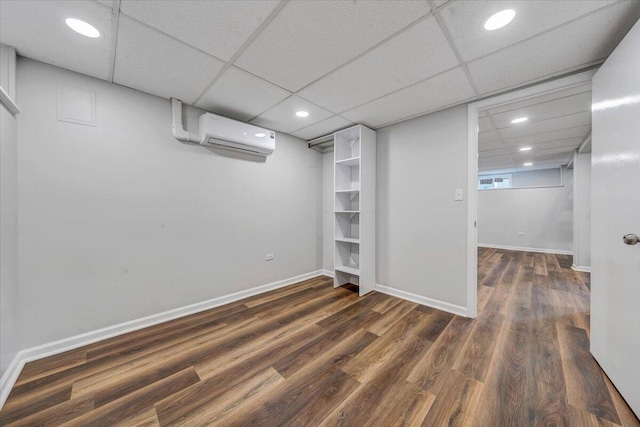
x: 577, y: 132
x: 217, y: 27
x: 488, y: 136
x: 484, y: 124
x: 307, y: 39
x: 514, y: 146
x: 155, y: 63
x: 491, y: 145
x: 559, y: 107
x: 465, y: 20
x: 448, y: 88
x: 544, y: 126
x: 108, y: 3
x: 492, y: 153
x: 540, y: 154
x: 240, y: 95
x: 413, y: 55
x: 283, y: 117
x: 322, y: 128
x: 575, y: 90
x: 567, y: 48
x: 37, y: 29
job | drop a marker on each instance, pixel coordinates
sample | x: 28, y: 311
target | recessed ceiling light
x: 499, y: 19
x: 83, y: 28
x: 520, y: 120
x: 525, y: 149
x: 261, y: 135
x: 527, y: 164
x: 302, y: 113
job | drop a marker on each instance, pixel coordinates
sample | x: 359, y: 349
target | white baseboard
x: 429, y: 302
x: 582, y: 268
x: 524, y: 249
x: 327, y: 273
x: 45, y: 350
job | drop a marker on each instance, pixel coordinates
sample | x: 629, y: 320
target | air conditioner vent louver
x: 221, y: 132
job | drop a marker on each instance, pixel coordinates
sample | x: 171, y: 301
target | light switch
x: 459, y: 194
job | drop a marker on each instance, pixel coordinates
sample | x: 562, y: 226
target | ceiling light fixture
x: 525, y: 149
x: 261, y: 134
x: 520, y: 120
x: 82, y: 27
x: 527, y: 164
x: 302, y: 113
x: 499, y: 20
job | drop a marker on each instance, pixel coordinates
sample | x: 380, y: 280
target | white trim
x: 472, y: 169
x: 582, y: 268
x: 45, y: 350
x: 472, y: 211
x: 8, y: 103
x: 525, y: 249
x: 429, y: 302
x: 327, y: 273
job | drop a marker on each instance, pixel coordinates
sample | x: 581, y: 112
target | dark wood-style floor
x: 311, y: 355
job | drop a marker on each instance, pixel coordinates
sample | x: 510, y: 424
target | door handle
x: 630, y: 239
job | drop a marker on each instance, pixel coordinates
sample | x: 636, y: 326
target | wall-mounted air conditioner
x: 221, y: 132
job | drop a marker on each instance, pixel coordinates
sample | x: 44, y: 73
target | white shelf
x: 354, y: 190
x: 347, y: 240
x: 353, y: 161
x: 349, y: 269
x: 350, y: 212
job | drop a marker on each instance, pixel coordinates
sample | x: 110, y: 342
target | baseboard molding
x: 524, y: 249
x: 429, y: 302
x: 328, y: 273
x: 45, y: 350
x: 582, y: 268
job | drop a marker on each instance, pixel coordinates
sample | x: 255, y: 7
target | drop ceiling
x: 556, y: 125
x: 368, y: 62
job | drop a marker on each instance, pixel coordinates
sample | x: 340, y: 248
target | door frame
x: 473, y: 109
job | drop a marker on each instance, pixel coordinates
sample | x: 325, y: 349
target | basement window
x: 493, y: 182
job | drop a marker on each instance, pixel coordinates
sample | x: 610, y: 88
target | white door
x: 615, y: 266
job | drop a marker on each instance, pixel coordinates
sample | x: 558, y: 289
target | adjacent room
x: 319, y: 212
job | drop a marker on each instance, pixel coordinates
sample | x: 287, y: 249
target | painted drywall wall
x: 421, y: 240
x: 121, y: 221
x: 582, y: 210
x: 421, y: 230
x: 9, y: 345
x: 544, y: 215
x: 327, y: 212
x: 536, y: 178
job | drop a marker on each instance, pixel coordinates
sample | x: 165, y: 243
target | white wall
x: 327, y: 211
x: 545, y: 215
x: 8, y: 216
x: 121, y: 221
x: 582, y: 210
x: 421, y: 230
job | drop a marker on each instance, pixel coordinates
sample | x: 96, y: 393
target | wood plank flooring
x: 311, y: 355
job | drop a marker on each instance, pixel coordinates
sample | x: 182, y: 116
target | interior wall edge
x: 525, y: 249
x: 60, y: 346
x: 429, y: 302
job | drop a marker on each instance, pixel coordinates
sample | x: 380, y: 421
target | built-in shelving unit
x: 354, y: 198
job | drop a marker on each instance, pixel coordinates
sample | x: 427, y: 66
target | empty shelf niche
x: 347, y: 226
x: 347, y: 177
x: 348, y: 258
x: 347, y: 145
x: 348, y: 202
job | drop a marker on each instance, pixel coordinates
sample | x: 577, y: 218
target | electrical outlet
x: 270, y: 257
x: 521, y: 233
